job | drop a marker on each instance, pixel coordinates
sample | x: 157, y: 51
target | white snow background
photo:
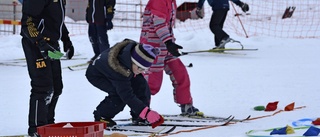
x: 283, y: 69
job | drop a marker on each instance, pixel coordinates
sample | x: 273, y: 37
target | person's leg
x: 40, y: 72
x: 180, y: 80
x: 93, y: 37
x: 102, y: 37
x: 57, y: 87
x: 181, y: 84
x: 216, y: 24
x: 111, y: 105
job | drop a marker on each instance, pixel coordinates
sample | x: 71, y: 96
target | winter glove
x: 109, y: 24
x: 244, y: 7
x: 199, y: 13
x: 173, y: 48
x: 152, y: 117
x: 49, y: 51
x: 68, y: 49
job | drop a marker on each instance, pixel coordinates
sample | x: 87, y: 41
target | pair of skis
x: 173, y: 121
x: 222, y: 51
x: 156, y: 131
x: 180, y: 118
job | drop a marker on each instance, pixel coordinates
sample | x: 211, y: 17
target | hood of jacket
x: 119, y: 57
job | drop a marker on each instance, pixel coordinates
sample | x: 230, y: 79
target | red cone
x: 289, y: 107
x: 316, y: 122
x: 272, y: 106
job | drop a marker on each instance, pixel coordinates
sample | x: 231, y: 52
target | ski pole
x: 240, y: 21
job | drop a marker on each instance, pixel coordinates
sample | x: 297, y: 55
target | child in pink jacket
x: 158, y: 20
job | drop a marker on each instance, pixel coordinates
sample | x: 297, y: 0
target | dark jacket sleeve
x: 31, y: 19
x: 125, y: 91
x: 237, y: 2
x: 110, y: 9
x: 65, y: 33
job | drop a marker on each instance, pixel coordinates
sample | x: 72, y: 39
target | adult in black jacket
x: 117, y: 71
x: 99, y: 15
x: 42, y: 25
x: 220, y: 10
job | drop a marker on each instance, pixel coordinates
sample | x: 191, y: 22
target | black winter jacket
x: 44, y: 19
x: 99, y: 11
x: 115, y: 65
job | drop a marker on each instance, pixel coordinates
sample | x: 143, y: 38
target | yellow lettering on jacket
x: 41, y: 64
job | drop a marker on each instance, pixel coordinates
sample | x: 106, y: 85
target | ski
x: 75, y: 58
x: 183, y: 119
x: 223, y: 123
x: 19, y: 64
x: 218, y: 50
x: 130, y: 128
x: 77, y: 67
x: 186, y: 122
x: 233, y: 120
x: 243, y: 120
x: 196, y: 117
x: 187, y: 118
x: 183, y: 123
x: 201, y: 118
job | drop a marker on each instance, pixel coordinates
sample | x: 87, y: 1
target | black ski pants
x: 46, y: 85
x: 98, y: 37
x: 216, y: 25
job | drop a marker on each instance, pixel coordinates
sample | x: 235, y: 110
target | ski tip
x: 228, y: 121
x: 247, y: 118
x: 70, y: 68
x: 170, y: 130
x: 231, y: 118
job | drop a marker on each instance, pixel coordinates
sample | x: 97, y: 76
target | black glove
x: 244, y: 7
x: 109, y: 23
x: 44, y: 48
x: 199, y: 13
x: 48, y: 51
x: 68, y: 49
x: 173, y: 48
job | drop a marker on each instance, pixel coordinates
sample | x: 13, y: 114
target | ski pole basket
x: 72, y: 129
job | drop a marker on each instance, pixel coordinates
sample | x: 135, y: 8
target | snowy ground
x: 284, y: 70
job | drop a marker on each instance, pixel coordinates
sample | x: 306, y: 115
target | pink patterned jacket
x: 158, y: 20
